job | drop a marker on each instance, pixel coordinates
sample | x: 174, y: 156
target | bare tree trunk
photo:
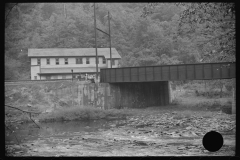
x: 205, y: 85
x: 71, y: 89
x: 234, y: 96
x: 221, y: 85
x: 206, y: 91
x: 170, y: 92
x: 180, y: 86
x: 64, y: 10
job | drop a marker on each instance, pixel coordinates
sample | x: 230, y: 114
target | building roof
x: 62, y: 52
x: 68, y: 70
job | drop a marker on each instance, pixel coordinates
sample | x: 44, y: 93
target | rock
x: 181, y: 148
x: 193, y: 150
x: 113, y: 125
x: 49, y: 110
x: 188, y: 128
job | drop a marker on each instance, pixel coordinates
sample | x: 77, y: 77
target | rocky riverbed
x: 152, y: 133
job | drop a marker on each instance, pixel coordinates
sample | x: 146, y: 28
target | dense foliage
x: 143, y: 33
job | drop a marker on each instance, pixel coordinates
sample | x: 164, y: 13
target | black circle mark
x: 212, y: 141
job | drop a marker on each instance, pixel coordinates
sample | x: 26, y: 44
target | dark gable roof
x: 62, y: 52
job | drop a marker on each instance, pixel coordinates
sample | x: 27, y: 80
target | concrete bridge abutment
x: 140, y: 94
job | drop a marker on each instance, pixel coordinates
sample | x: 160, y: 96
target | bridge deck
x: 198, y: 71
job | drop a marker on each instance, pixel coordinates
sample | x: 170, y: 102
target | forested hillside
x: 143, y: 33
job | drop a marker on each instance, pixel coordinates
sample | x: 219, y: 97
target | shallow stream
x: 139, y: 136
x: 30, y: 131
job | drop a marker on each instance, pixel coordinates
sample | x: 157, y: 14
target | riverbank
x: 90, y: 112
x: 52, y: 106
x: 74, y: 130
x: 64, y: 114
x: 153, y: 131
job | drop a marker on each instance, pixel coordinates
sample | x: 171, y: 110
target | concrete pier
x: 139, y: 95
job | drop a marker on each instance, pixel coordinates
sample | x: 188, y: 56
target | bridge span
x: 137, y: 87
x: 178, y: 72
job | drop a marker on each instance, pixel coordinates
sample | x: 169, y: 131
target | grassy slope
x: 43, y: 99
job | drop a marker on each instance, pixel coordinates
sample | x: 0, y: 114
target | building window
x: 57, y: 61
x: 55, y: 77
x: 48, y: 60
x: 87, y: 61
x: 66, y: 60
x: 104, y: 60
x: 48, y: 77
x: 35, y: 77
x: 63, y: 76
x: 79, y: 61
x: 113, y: 62
x: 96, y: 60
x: 39, y: 61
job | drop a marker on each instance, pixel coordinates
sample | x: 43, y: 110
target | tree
x: 215, y: 23
x: 139, y: 40
x: 8, y: 9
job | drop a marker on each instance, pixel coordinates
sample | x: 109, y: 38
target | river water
x: 30, y: 131
x: 122, y: 137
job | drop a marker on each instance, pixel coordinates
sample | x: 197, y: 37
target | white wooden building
x: 58, y: 63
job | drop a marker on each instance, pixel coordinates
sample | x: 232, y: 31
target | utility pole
x: 110, y: 39
x: 96, y: 42
x: 109, y: 34
x: 72, y: 75
x: 63, y: 9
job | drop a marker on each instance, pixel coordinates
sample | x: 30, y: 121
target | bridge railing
x: 198, y: 71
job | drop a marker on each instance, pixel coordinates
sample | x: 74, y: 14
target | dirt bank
x: 164, y: 133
